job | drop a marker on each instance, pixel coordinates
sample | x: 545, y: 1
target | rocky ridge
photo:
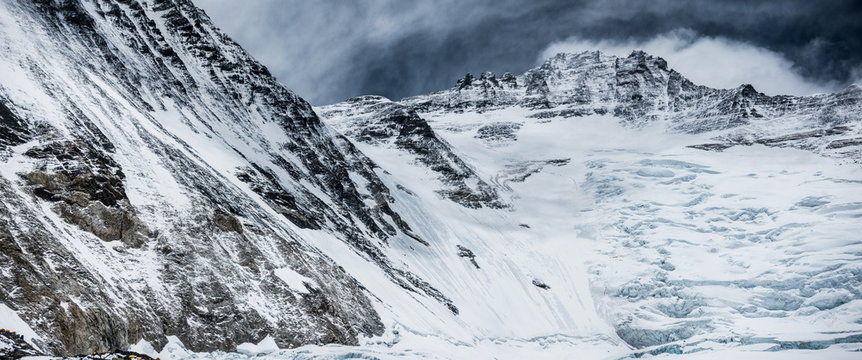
x: 641, y: 90
x: 648, y: 201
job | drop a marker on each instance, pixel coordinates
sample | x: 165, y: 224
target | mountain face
x: 640, y: 90
x: 376, y: 120
x: 157, y: 180
x: 161, y: 189
x: 698, y: 219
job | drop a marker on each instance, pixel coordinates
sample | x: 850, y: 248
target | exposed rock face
x: 14, y: 131
x: 227, y: 222
x: 540, y: 284
x: 377, y: 120
x: 471, y: 93
x: 497, y: 132
x: 87, y: 188
x: 468, y: 254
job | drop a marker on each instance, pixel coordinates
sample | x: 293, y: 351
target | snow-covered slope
x: 611, y: 192
x: 163, y: 193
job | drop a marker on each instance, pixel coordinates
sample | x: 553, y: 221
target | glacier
x: 164, y: 194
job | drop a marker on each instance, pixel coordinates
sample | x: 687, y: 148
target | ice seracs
x: 683, y: 250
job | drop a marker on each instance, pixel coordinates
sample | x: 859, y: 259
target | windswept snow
x: 295, y: 280
x: 641, y: 241
x: 9, y: 320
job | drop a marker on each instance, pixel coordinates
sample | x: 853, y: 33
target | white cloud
x: 712, y: 61
x: 856, y: 75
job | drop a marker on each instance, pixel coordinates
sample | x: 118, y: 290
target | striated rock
x: 468, y: 254
x: 227, y: 222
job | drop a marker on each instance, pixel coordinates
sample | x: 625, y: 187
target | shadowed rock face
x: 14, y: 131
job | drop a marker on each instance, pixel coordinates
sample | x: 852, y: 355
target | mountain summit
x: 641, y: 90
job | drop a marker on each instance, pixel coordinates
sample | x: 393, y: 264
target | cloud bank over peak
x: 330, y: 50
x: 716, y: 62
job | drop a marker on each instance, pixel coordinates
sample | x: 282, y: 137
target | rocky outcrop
x: 227, y: 222
x: 15, y: 130
x: 468, y: 254
x: 378, y: 121
x: 86, y: 188
x: 498, y: 132
x: 485, y: 92
x: 540, y: 284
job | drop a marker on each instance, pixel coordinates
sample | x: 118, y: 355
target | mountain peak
x: 571, y: 59
x: 582, y: 62
x: 747, y: 90
x: 368, y: 99
x: 638, y: 88
x: 487, y: 83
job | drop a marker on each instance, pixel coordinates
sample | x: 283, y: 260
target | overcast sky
x: 331, y: 50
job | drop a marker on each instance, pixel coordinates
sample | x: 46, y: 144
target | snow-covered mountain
x: 158, y: 181
x: 641, y: 89
x: 163, y: 193
x: 624, y: 181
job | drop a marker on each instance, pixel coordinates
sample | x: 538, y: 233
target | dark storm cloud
x: 329, y: 50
